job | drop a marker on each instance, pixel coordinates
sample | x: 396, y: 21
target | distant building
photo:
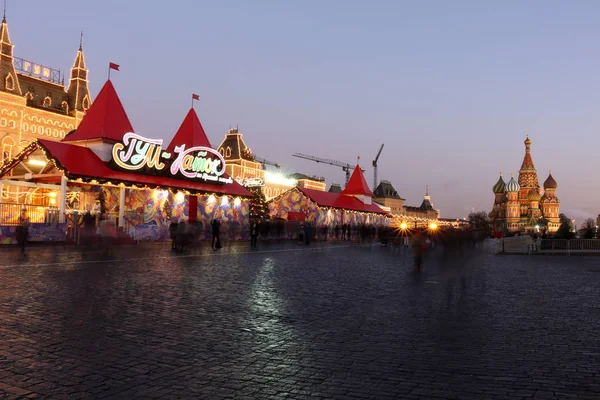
x: 386, y: 195
x: 242, y: 166
x: 523, y: 206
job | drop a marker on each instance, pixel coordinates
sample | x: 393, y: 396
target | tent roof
x: 82, y: 162
x: 337, y: 200
x: 106, y: 119
x: 357, y: 184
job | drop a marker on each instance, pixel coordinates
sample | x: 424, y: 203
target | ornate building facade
x: 35, y: 103
x: 522, y: 205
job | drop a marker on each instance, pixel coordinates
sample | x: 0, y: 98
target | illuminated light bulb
x: 211, y: 199
x: 52, y: 194
x: 433, y: 226
x: 237, y: 201
x: 224, y: 200
x: 403, y: 226
x: 179, y: 197
x: 53, y: 201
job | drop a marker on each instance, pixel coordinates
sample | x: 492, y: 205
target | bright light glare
x: 433, y: 226
x: 211, y: 199
x: 37, y: 163
x: 403, y: 226
x: 179, y: 197
x: 224, y: 200
x: 237, y: 201
x: 279, y: 179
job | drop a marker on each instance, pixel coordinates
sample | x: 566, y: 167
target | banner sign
x: 137, y: 153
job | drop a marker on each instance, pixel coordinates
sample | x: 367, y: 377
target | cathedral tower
x: 528, y: 179
x: 513, y: 211
x: 550, y: 204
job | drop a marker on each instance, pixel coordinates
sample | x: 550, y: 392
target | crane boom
x: 375, y: 167
x: 266, y: 162
x: 345, y: 166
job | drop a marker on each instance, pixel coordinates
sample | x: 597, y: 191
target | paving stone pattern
x: 301, y: 323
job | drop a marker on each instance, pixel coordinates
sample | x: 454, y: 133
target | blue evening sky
x: 450, y: 87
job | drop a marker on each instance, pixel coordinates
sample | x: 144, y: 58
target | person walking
x: 216, y: 233
x: 418, y: 246
x: 307, y: 233
x: 253, y: 234
x: 23, y: 230
x: 173, y: 233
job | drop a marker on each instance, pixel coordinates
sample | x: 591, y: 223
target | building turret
x: 499, y: 210
x: 513, y: 210
x: 78, y: 92
x: 8, y: 75
x: 550, y: 204
x: 528, y: 179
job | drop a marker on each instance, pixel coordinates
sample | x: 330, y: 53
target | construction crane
x: 264, y: 162
x: 347, y: 168
x: 375, y: 167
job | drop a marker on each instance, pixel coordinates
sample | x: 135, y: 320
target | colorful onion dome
x: 550, y: 182
x: 534, y: 196
x: 527, y: 141
x: 500, y: 186
x: 512, y: 185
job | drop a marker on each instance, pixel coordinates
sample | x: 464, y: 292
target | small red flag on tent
x: 113, y: 66
x: 195, y: 97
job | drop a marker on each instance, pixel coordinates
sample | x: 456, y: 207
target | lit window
x: 62, y: 134
x: 11, y: 124
x: 9, y: 83
x: 2, y: 122
x: 33, y: 128
x: 55, y: 133
x: 47, y: 102
x: 41, y: 130
x: 48, y: 133
x: 25, y: 127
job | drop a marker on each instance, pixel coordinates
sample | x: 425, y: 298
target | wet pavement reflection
x: 329, y: 321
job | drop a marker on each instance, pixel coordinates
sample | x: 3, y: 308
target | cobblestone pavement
x: 293, y: 322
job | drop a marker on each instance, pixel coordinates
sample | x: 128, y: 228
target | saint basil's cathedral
x: 523, y: 206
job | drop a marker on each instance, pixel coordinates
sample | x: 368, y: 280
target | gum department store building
x: 35, y: 103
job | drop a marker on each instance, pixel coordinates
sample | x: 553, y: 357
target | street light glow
x: 403, y: 226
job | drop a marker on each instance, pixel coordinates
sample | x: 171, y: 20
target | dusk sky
x: 451, y: 88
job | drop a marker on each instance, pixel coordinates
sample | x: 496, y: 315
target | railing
x: 528, y: 245
x: 10, y: 213
x: 130, y: 228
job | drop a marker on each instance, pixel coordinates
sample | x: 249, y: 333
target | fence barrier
x: 528, y: 245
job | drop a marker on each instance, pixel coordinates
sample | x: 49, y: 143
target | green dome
x: 500, y: 186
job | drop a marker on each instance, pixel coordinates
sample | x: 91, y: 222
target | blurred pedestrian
x: 23, y: 230
x: 418, y: 246
x: 216, y: 234
x: 253, y: 233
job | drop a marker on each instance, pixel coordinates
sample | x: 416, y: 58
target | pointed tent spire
x: 527, y: 161
x: 191, y: 133
x: 357, y: 185
x: 105, y: 120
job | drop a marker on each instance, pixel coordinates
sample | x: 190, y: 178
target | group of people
x: 182, y: 234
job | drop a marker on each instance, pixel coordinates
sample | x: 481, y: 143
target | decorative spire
x: 8, y: 75
x: 78, y: 92
x: 4, y: 17
x: 426, y: 190
x: 527, y: 161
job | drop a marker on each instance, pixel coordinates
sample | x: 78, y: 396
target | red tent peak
x: 190, y: 133
x: 357, y: 185
x: 106, y: 118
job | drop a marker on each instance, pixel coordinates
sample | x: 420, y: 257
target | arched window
x: 11, y: 124
x: 65, y: 107
x: 47, y: 102
x: 41, y: 130
x: 7, y: 148
x: 25, y: 127
x: 228, y: 152
x: 55, y: 133
x: 85, y: 104
x: 48, y: 132
x: 62, y: 134
x: 9, y: 82
x: 33, y: 128
x: 3, y: 122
